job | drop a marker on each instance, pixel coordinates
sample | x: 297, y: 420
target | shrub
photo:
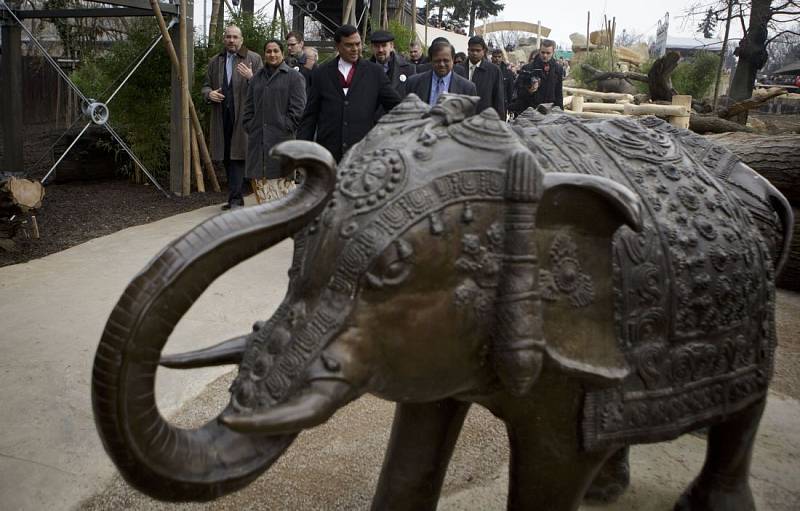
x: 695, y: 76
x: 597, y: 59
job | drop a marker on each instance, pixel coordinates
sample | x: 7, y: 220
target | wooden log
x: 593, y: 115
x: 776, y: 157
x: 712, y: 124
x: 577, y: 104
x: 186, y: 130
x: 613, y: 96
x: 597, y: 75
x: 604, y: 107
x: 758, y: 99
x: 19, y: 195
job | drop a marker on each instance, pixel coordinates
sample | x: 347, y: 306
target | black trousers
x: 234, y: 169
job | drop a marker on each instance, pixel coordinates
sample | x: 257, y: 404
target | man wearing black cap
x: 486, y: 77
x: 345, y: 93
x: 397, y: 69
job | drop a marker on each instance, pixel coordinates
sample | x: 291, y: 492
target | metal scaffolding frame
x: 97, y: 112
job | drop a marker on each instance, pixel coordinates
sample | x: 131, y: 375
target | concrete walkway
x: 52, y: 313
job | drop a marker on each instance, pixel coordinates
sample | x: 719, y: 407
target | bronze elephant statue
x: 593, y: 284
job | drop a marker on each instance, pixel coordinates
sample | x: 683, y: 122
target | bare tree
x: 762, y: 22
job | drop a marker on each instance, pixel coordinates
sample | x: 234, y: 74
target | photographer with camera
x: 539, y: 81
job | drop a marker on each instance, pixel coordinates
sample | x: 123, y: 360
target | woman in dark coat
x: 275, y: 102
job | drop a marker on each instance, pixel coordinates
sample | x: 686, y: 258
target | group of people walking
x: 258, y: 102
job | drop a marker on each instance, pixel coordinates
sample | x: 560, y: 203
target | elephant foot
x: 611, y: 481
x: 716, y: 496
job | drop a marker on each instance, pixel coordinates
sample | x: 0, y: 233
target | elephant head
x: 416, y: 278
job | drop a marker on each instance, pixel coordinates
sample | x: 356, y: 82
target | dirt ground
x: 75, y: 212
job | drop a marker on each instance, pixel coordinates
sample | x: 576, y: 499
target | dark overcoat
x: 549, y: 91
x: 420, y: 84
x: 400, y: 70
x: 336, y: 121
x: 489, y: 82
x: 214, y: 80
x: 272, y: 114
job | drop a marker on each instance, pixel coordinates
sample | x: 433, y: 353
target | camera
x: 526, y: 77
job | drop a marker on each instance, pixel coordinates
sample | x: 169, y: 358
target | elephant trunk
x: 160, y: 459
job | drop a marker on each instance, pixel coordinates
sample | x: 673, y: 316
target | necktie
x: 229, y: 67
x: 437, y: 92
x: 471, y: 71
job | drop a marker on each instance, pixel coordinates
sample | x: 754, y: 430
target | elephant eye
x: 392, y: 267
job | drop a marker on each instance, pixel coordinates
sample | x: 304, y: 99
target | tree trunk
x: 472, y: 9
x: 659, y: 80
x: 713, y: 124
x: 775, y: 157
x: 752, y: 53
x: 19, y: 195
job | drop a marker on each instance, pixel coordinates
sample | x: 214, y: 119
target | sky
x: 567, y: 16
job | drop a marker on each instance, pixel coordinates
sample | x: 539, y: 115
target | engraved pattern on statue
x: 481, y: 261
x: 565, y: 275
x: 371, y: 179
x: 399, y: 214
x: 691, y: 295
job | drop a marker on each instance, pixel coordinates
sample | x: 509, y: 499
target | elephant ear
x: 576, y: 221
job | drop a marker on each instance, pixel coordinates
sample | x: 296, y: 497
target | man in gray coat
x: 274, y: 107
x: 225, y: 89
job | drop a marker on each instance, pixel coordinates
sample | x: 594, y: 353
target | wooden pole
x: 588, y: 19
x: 198, y: 171
x: 684, y: 101
x: 722, y: 56
x: 577, y: 104
x: 427, y: 16
x: 173, y: 55
x: 538, y: 33
x: 185, y: 117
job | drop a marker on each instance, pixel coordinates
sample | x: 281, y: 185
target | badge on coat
x: 296, y: 68
x: 403, y: 78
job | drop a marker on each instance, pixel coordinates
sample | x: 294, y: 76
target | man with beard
x: 486, y: 77
x: 395, y: 66
x: 506, y: 73
x: 275, y: 103
x: 540, y: 81
x: 345, y: 93
x: 225, y: 89
x: 428, y: 86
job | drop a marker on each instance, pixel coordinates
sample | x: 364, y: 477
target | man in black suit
x: 540, y: 81
x: 431, y: 84
x: 486, y: 77
x: 508, y: 75
x: 415, y: 55
x: 345, y: 93
x: 428, y: 65
x: 396, y: 67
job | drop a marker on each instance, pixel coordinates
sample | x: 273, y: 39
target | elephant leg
x: 422, y: 441
x: 549, y: 468
x: 723, y: 481
x: 612, y: 480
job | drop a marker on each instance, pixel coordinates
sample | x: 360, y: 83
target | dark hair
x: 461, y: 55
x: 297, y: 35
x: 549, y: 43
x: 280, y: 45
x: 476, y: 39
x: 344, y: 31
x: 438, y: 46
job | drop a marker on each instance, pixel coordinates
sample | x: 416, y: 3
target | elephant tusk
x: 306, y: 410
x: 227, y: 352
